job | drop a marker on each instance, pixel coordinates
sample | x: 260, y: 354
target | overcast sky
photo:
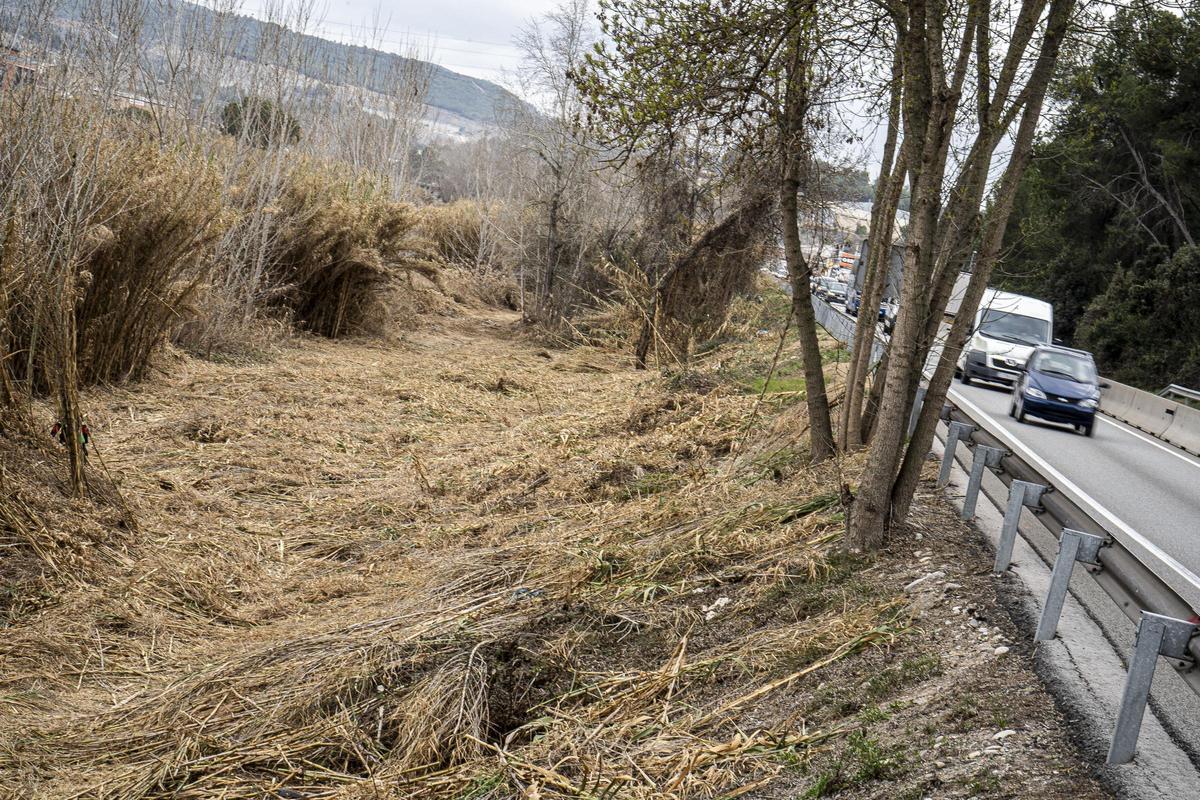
x: 473, y: 37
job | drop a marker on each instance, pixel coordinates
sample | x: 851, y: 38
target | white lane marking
x: 1165, y: 448
x: 1101, y: 514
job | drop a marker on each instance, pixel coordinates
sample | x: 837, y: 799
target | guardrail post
x: 984, y: 457
x: 1020, y: 494
x: 958, y: 430
x: 1156, y: 636
x: 1072, y: 546
x: 916, y: 409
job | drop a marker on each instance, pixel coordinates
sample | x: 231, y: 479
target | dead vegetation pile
x: 460, y: 568
x: 49, y: 541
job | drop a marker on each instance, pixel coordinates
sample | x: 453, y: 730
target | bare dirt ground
x: 468, y: 565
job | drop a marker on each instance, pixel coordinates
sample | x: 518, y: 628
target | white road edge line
x: 1068, y: 487
x: 1164, y: 447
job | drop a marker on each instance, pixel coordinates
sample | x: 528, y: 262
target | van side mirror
x: 1104, y: 385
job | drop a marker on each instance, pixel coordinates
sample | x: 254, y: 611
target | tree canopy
x: 1113, y: 196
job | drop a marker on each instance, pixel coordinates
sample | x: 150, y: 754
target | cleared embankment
x: 470, y: 565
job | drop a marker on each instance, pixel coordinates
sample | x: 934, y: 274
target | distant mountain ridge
x: 472, y: 99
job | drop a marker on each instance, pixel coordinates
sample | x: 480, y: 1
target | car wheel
x: 1020, y: 410
x: 1088, y: 430
x: 1012, y: 408
x: 965, y: 377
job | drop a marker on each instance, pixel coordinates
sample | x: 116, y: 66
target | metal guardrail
x: 1183, y: 392
x: 1151, y: 587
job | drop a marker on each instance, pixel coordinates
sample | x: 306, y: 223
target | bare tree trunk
x: 883, y: 219
x: 820, y: 425
x: 552, y: 247
x: 646, y: 335
x: 792, y: 150
x: 993, y: 236
x: 871, y: 409
x: 879, y: 251
x: 66, y: 378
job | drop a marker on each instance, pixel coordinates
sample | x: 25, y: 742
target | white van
x: 1007, y: 328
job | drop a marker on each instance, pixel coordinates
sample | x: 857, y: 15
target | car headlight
x: 1091, y: 402
x: 1034, y: 392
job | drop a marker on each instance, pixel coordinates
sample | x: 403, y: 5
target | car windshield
x: 1066, y: 365
x: 1014, y: 327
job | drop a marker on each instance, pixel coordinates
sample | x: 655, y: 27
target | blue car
x: 854, y: 301
x: 1058, y: 384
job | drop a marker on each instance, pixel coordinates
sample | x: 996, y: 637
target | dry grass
x: 461, y: 567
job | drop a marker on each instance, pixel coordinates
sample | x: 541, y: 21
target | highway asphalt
x: 1149, y: 485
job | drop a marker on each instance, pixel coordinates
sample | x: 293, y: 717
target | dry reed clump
x: 141, y: 240
x: 338, y: 248
x: 690, y: 303
x: 463, y: 235
x: 145, y: 276
x: 50, y: 541
x: 458, y: 232
x: 222, y: 326
x: 131, y: 263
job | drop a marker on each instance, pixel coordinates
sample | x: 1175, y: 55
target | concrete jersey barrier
x: 1185, y: 429
x: 1162, y: 418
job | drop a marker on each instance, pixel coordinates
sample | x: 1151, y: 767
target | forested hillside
x: 1107, y: 217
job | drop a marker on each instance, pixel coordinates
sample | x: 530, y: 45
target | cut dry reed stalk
x: 303, y: 613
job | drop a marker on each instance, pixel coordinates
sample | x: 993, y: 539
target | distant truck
x: 1007, y: 326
